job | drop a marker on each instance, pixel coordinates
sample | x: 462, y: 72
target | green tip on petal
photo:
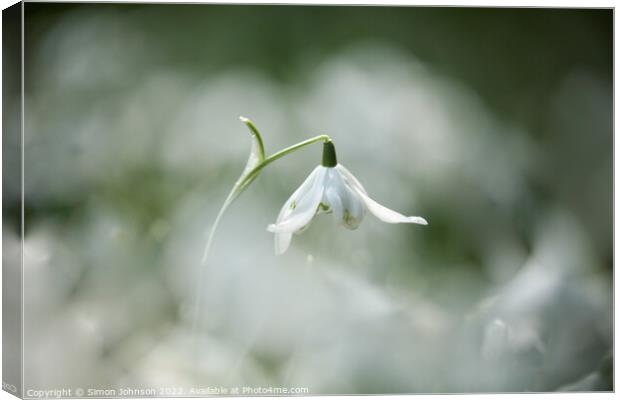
x: 329, y: 154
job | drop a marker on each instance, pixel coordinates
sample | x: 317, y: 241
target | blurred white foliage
x: 206, y: 133
x: 120, y: 314
x: 496, y: 336
x: 394, y: 108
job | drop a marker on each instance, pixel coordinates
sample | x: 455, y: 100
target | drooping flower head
x: 330, y: 188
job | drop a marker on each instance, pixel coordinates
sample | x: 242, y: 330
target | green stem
x: 297, y: 146
x: 243, y: 181
x: 203, y: 261
x: 249, y: 177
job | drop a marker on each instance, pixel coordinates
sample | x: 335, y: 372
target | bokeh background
x: 493, y: 124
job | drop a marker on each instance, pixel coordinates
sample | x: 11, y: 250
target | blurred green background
x: 493, y: 124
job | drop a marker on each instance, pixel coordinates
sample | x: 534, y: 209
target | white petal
x: 282, y: 241
x: 305, y: 209
x: 352, y: 206
x: 292, y: 201
x: 350, y: 178
x: 333, y: 199
x: 387, y: 215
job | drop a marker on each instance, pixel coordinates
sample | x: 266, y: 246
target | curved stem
x: 227, y: 202
x: 203, y: 261
x: 297, y: 146
x: 244, y: 180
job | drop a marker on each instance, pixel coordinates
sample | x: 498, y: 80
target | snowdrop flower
x: 330, y: 188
